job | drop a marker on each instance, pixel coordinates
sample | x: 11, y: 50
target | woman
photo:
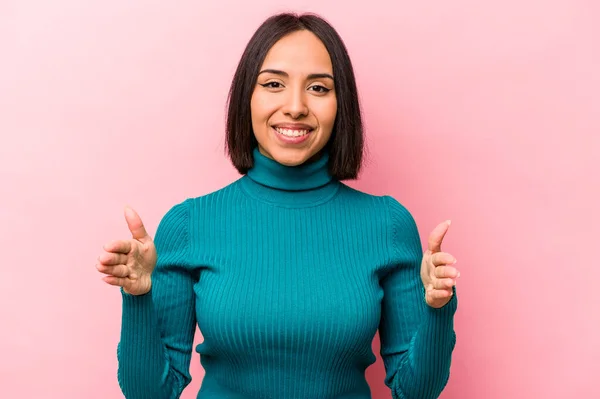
x: 287, y: 271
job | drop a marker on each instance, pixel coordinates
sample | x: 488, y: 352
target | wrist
x: 139, y: 292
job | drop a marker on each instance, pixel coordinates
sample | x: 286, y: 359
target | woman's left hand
x: 437, y: 274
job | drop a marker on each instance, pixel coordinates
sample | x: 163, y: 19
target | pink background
x: 486, y: 113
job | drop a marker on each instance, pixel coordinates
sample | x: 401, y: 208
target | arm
x: 416, y: 340
x: 157, y: 330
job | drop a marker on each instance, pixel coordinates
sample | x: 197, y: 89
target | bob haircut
x: 346, y: 144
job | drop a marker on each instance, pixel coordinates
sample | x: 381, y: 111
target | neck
x: 304, y: 184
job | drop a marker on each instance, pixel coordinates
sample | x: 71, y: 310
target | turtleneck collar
x: 307, y: 176
x: 292, y: 186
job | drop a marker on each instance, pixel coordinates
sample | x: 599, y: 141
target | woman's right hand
x: 129, y: 263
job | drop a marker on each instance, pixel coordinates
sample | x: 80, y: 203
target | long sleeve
x: 417, y: 340
x: 158, y: 328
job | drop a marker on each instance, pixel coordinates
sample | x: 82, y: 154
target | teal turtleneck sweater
x: 288, y: 274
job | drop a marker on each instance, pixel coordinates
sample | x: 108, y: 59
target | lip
x: 286, y: 140
x: 292, y: 126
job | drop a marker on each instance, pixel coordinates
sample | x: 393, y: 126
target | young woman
x: 288, y: 272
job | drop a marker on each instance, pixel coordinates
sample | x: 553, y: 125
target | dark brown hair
x: 346, y: 143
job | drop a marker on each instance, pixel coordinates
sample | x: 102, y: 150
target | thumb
x: 437, y: 235
x: 134, y: 222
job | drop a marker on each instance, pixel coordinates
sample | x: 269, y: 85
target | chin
x: 290, y: 157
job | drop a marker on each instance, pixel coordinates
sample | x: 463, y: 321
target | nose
x: 295, y: 104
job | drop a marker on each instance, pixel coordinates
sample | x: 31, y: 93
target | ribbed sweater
x: 288, y: 273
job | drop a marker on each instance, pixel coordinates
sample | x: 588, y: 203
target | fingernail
x: 455, y: 260
x: 458, y: 275
x: 449, y: 222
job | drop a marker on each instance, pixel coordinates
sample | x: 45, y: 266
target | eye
x: 320, y: 89
x: 272, y: 85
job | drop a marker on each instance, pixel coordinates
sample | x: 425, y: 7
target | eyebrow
x: 283, y: 73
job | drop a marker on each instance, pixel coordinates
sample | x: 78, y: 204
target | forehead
x: 300, y: 51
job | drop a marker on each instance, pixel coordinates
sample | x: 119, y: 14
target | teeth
x: 292, y: 133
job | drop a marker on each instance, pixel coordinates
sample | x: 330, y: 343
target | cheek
x: 261, y: 107
x: 255, y: 107
x: 327, y: 114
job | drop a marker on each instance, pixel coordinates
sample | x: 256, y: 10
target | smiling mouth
x: 293, y: 132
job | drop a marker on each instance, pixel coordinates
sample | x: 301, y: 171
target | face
x: 294, y: 102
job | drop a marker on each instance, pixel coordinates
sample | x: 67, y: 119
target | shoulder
x: 390, y: 207
x: 399, y: 213
x: 395, y: 213
x: 393, y: 219
x: 405, y: 236
x: 215, y: 197
x: 172, y: 230
x: 174, y: 226
x: 361, y: 198
x: 179, y: 213
x: 382, y: 209
x: 175, y: 217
